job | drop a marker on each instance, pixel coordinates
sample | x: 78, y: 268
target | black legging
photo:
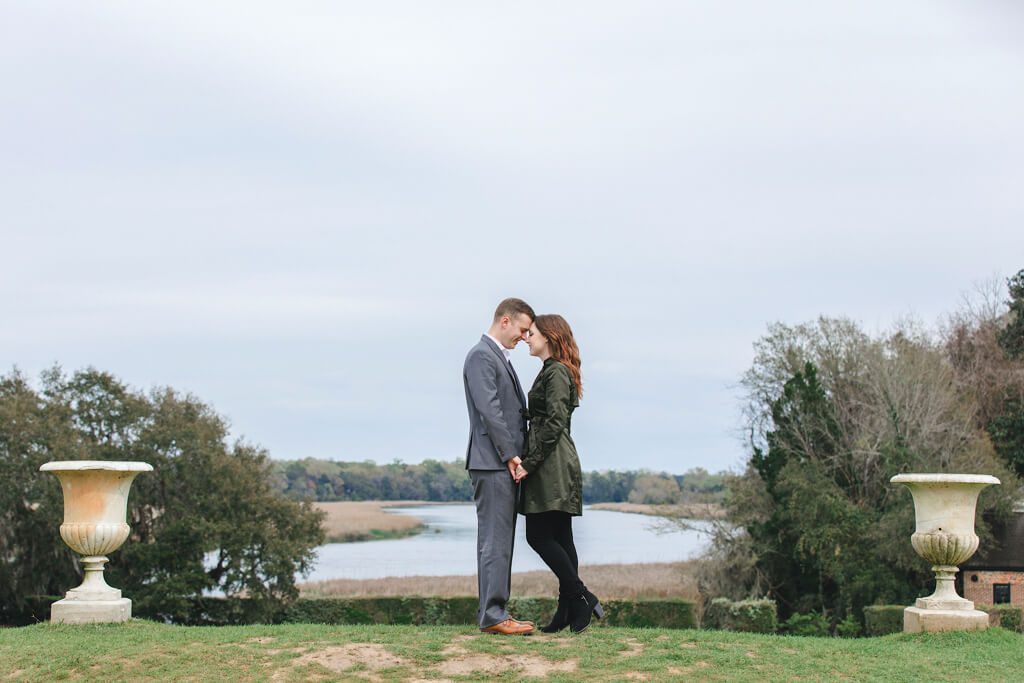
x: 550, y: 535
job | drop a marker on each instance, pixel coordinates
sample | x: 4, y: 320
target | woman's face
x: 537, y: 342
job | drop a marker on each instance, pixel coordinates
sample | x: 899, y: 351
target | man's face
x: 514, y: 330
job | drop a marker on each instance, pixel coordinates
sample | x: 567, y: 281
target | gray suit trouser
x: 494, y: 493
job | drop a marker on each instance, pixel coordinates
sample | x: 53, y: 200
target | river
x: 448, y: 545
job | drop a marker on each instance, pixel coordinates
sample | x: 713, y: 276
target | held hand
x: 519, y: 474
x: 512, y: 464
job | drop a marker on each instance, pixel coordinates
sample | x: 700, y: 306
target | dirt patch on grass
x: 683, y: 670
x: 635, y: 648
x: 525, y: 666
x: 463, y: 663
x: 342, y: 658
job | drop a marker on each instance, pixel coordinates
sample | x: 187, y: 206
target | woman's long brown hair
x: 562, y: 344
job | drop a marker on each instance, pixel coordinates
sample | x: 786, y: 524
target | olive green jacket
x: 554, y: 480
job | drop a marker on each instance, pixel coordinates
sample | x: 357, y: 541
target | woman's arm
x: 557, y: 396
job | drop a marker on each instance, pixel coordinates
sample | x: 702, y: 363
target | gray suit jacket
x: 497, y: 408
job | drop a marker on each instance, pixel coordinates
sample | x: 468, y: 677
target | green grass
x: 141, y: 650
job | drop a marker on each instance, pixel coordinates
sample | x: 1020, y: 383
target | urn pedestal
x: 95, y: 508
x: 944, y: 508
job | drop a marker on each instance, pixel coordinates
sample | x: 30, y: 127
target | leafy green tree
x: 206, y: 519
x: 833, y: 414
x: 1007, y: 432
x: 1011, y: 337
x: 655, y: 489
x: 1007, y: 427
x: 985, y: 344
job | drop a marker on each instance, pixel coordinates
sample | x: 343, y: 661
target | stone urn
x: 95, y: 509
x: 944, y: 507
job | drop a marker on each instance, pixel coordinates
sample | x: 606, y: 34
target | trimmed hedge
x: 410, y: 610
x: 881, y: 620
x: 650, y: 613
x: 34, y: 610
x: 751, y: 616
x: 462, y: 610
x: 1007, y: 616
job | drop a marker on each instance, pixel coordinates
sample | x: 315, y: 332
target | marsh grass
x: 683, y: 510
x: 348, y: 521
x: 619, y: 581
x: 142, y: 650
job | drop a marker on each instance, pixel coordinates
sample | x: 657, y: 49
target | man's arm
x: 482, y: 383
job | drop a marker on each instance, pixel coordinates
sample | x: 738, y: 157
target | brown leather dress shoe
x: 510, y: 627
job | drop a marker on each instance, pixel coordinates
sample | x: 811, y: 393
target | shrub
x: 751, y: 616
x: 807, y: 624
x: 881, y: 620
x: 849, y: 627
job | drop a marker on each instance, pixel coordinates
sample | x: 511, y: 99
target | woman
x: 551, y: 491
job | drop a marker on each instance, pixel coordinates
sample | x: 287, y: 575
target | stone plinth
x: 918, y: 620
x: 68, y: 611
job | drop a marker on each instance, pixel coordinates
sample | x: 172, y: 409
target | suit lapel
x: 519, y: 387
x: 508, y: 368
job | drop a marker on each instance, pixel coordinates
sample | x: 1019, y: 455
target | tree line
x: 436, y: 481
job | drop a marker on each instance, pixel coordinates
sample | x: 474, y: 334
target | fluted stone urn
x: 95, y: 511
x: 944, y: 507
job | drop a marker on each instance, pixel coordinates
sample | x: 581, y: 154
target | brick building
x: 995, y: 575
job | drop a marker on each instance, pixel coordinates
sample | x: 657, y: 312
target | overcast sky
x: 304, y: 213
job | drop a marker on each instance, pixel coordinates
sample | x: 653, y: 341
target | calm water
x: 448, y: 546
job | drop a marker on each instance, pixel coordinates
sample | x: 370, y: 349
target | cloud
x: 306, y: 214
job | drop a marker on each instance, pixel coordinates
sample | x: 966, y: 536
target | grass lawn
x: 141, y: 650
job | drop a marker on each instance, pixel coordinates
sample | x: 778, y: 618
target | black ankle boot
x: 595, y: 603
x: 582, y: 609
x: 561, y: 618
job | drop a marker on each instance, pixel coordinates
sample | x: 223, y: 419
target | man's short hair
x: 512, y: 308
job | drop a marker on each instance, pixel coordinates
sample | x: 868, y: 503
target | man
x: 497, y: 437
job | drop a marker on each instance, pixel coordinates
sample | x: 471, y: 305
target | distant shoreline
x: 701, y: 511
x: 369, y: 520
